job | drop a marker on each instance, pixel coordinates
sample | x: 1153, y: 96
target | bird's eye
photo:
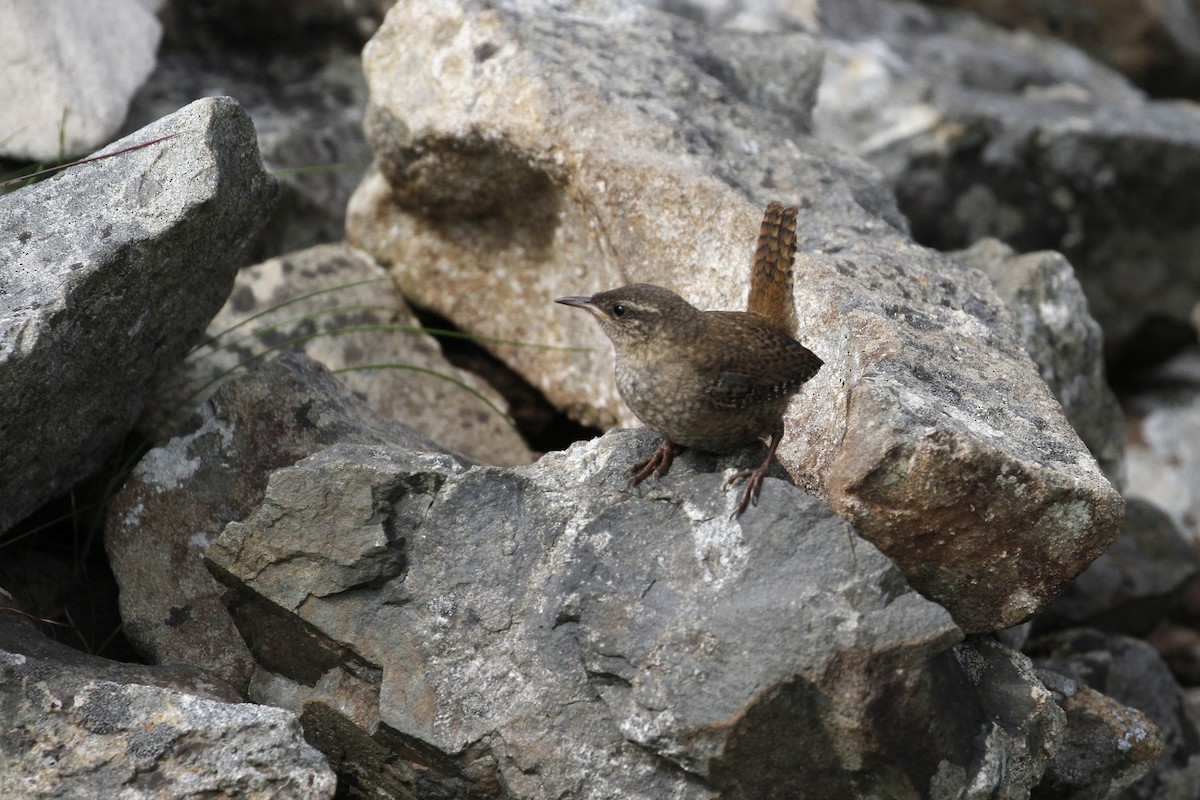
x: 619, y: 310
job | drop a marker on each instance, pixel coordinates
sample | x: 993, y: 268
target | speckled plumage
x: 712, y: 380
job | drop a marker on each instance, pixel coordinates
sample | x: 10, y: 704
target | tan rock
x: 337, y: 306
x: 523, y: 153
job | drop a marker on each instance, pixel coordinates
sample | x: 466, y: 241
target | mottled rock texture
x: 340, y: 308
x: 80, y: 726
x: 112, y: 271
x: 181, y: 495
x: 537, y: 632
x: 524, y: 153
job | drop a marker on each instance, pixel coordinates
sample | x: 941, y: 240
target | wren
x: 711, y: 380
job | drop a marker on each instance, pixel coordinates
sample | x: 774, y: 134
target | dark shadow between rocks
x: 540, y: 424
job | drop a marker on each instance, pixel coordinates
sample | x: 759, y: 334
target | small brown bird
x: 712, y: 380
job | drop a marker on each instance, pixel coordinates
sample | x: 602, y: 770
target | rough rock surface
x: 112, y: 271
x: 1132, y: 585
x: 20, y: 639
x: 524, y: 153
x: 79, y: 726
x: 1106, y: 746
x: 1051, y: 314
x: 521, y: 629
x: 69, y: 70
x: 1130, y: 672
x: 308, y: 117
x: 1021, y: 728
x: 988, y: 132
x: 181, y: 495
x: 340, y: 308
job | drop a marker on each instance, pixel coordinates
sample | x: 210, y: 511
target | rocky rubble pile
x: 347, y: 570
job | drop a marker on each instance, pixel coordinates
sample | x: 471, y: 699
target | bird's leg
x: 754, y: 476
x: 659, y: 463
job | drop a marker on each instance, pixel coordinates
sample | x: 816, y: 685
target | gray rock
x: 181, y: 495
x: 1132, y: 673
x: 339, y: 307
x: 19, y: 639
x: 69, y: 71
x: 525, y: 153
x: 308, y: 116
x: 1106, y: 746
x: 747, y: 15
x: 989, y: 132
x: 522, y: 629
x: 79, y: 726
x: 1164, y: 446
x: 113, y: 270
x: 1051, y: 315
x: 1130, y: 587
x: 1020, y: 731
x: 1157, y: 45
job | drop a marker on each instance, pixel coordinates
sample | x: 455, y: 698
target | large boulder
x: 984, y: 131
x: 524, y: 152
x: 69, y: 71
x: 77, y: 725
x: 339, y: 307
x: 517, y: 633
x: 181, y: 495
x: 112, y: 272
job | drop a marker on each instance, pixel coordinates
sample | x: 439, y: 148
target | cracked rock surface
x: 544, y: 630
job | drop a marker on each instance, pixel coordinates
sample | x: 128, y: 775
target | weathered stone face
x: 69, y: 74
x: 985, y: 131
x: 540, y: 630
x: 111, y: 272
x: 181, y: 495
x: 523, y: 154
x: 335, y: 304
x: 78, y: 725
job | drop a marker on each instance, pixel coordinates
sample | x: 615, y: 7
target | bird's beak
x: 580, y: 302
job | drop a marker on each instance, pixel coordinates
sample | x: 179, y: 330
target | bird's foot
x: 754, y: 478
x: 659, y: 463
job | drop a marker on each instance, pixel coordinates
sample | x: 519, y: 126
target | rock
x: 1163, y: 446
x: 464, y: 203
x: 747, y: 15
x: 517, y: 628
x: 1021, y: 728
x: 1052, y: 319
x: 181, y: 495
x: 1105, y: 748
x: 113, y: 271
x: 1157, y: 45
x: 987, y: 132
x: 339, y: 307
x: 21, y: 642
x: 525, y: 155
x: 1131, y: 586
x: 1130, y: 672
x: 69, y: 71
x: 308, y: 114
x: 80, y: 726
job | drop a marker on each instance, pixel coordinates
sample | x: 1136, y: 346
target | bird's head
x: 637, y: 314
